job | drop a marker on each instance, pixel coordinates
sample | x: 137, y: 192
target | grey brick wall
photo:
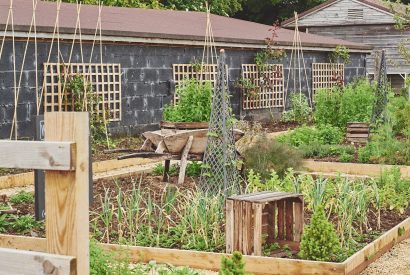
x: 146, y: 80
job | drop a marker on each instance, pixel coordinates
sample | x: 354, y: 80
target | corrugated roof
x: 150, y: 23
x: 384, y: 5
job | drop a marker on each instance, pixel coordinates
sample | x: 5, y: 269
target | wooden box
x: 357, y: 132
x: 253, y: 219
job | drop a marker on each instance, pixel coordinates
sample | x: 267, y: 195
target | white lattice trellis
x: 268, y: 83
x: 105, y: 80
x: 189, y: 71
x: 327, y: 75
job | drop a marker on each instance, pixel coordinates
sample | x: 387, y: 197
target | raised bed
x: 254, y: 264
x: 373, y: 170
x: 25, y: 179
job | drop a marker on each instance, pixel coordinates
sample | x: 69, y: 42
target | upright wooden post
x: 67, y: 200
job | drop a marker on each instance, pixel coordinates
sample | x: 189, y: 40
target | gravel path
x: 394, y: 262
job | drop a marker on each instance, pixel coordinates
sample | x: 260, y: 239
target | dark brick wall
x: 146, y: 79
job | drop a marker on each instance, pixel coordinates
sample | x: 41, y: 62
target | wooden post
x: 281, y: 219
x: 184, y: 160
x: 289, y: 219
x: 67, y: 200
x: 166, y: 170
x: 229, y: 226
x: 257, y: 232
x: 299, y: 216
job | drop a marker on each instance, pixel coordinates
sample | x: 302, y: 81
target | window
x: 105, y: 80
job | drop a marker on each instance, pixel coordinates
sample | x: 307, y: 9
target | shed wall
x: 146, y: 80
x: 379, y: 36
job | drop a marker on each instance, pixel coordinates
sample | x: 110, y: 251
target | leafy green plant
x: 305, y: 135
x: 194, y: 104
x: 338, y: 106
x: 193, y: 169
x: 319, y: 240
x: 158, y: 170
x: 300, y: 111
x: 340, y: 54
x: 24, y: 223
x: 265, y: 155
x: 234, y: 265
x: 248, y: 86
x: 22, y: 197
x: 4, y: 223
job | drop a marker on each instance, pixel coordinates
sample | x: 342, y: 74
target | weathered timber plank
x: 257, y: 229
x: 66, y: 193
x: 229, y: 226
x: 37, y: 155
x: 22, y: 262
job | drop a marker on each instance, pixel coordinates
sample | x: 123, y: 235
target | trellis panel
x: 327, y: 75
x: 269, y: 83
x: 189, y: 71
x: 105, y: 81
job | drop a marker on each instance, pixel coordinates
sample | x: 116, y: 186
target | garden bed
x: 112, y: 195
x: 256, y: 265
x: 374, y: 170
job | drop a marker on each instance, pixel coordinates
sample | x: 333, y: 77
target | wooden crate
x: 357, y: 132
x: 249, y: 217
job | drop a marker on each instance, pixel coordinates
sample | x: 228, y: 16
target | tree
x: 221, y: 7
x: 269, y: 11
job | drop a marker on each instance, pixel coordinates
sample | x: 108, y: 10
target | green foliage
x: 305, y: 135
x: 319, y: 240
x: 338, y: 106
x: 289, y: 182
x: 221, y: 7
x: 23, y: 224
x: 268, y: 54
x: 234, y: 265
x: 266, y: 155
x: 100, y: 260
x: 22, y: 197
x: 193, y: 169
x: 248, y: 86
x: 399, y: 112
x: 4, y: 223
x: 385, y: 148
x: 394, y: 191
x: 194, y: 103
x: 319, y: 150
x: 180, y: 219
x: 300, y: 111
x: 340, y: 55
x: 83, y: 98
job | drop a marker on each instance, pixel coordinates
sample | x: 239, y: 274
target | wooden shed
x: 370, y: 22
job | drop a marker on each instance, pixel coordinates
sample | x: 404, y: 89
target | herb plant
x: 194, y: 104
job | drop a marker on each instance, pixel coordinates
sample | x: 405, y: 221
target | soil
x: 118, y: 143
x: 278, y: 126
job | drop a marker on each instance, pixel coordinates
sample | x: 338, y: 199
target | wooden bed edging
x: 352, y: 168
x: 254, y: 264
x: 371, y: 252
x: 26, y: 179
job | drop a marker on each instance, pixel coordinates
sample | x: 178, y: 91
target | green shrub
x: 326, y: 150
x: 22, y: 197
x: 319, y: 240
x: 323, y: 134
x: 300, y: 111
x: 194, y: 103
x: 399, y: 110
x: 338, y: 106
x: 159, y: 168
x: 385, y: 148
x: 232, y: 265
x: 394, y: 191
x: 266, y: 155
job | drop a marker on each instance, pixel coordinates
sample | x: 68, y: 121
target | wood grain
x: 66, y: 193
x: 37, y: 155
x: 184, y: 160
x: 22, y: 262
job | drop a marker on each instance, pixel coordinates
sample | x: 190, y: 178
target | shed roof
x: 153, y: 23
x: 383, y: 5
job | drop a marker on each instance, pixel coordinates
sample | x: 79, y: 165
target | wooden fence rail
x: 64, y: 156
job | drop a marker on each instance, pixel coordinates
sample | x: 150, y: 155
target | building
x: 370, y: 22
x: 145, y: 54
